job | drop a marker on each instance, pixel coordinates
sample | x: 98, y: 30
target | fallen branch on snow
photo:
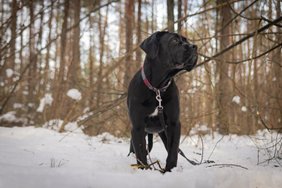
x: 227, y: 165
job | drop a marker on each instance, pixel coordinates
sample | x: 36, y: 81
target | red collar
x: 149, y: 85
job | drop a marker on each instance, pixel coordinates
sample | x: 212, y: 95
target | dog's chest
x: 155, y: 113
x: 151, y: 104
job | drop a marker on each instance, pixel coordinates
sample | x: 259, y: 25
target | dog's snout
x: 191, y: 46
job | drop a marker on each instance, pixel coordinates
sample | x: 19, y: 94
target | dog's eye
x: 175, y: 41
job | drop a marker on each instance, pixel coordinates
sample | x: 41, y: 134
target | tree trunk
x: 102, y: 33
x: 74, y: 68
x: 11, y: 61
x: 47, y: 57
x: 32, y: 72
x: 60, y: 87
x: 277, y: 77
x: 170, y: 15
x: 41, y: 87
x: 179, y: 15
x: 223, y: 84
x: 129, y: 18
x: 138, y: 33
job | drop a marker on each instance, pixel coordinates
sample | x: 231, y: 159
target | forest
x: 68, y: 63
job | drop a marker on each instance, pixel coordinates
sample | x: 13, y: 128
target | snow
x: 18, y: 105
x: 46, y: 100
x: 74, y: 94
x: 56, y: 124
x: 198, y: 129
x: 9, y: 117
x: 38, y: 157
x: 236, y: 99
x: 53, y: 124
x: 9, y: 72
x: 244, y: 109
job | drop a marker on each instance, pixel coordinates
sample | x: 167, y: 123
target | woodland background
x: 48, y: 48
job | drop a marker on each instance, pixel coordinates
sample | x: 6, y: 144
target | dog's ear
x: 151, y: 45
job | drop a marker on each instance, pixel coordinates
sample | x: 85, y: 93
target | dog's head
x: 172, y: 49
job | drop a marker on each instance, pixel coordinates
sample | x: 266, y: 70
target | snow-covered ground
x: 36, y: 157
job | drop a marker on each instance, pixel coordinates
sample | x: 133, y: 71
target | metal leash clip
x: 159, y: 99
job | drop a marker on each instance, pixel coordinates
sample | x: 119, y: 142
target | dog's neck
x: 157, y: 73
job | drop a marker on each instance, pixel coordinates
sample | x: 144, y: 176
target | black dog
x: 153, y: 86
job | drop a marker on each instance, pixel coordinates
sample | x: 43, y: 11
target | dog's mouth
x: 192, y: 63
x: 179, y: 65
x: 188, y: 65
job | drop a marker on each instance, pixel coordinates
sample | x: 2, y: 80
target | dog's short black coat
x: 166, y: 54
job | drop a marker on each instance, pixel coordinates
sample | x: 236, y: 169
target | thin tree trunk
x: 91, y: 61
x: 40, y: 56
x: 47, y: 57
x: 138, y: 33
x: 11, y: 61
x: 179, y: 15
x: 170, y: 15
x: 74, y: 68
x: 277, y: 77
x: 32, y: 73
x: 223, y: 84
x: 102, y: 32
x: 60, y: 88
x: 153, y: 17
x: 129, y: 18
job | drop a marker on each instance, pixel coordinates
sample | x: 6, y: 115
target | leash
x: 160, y: 108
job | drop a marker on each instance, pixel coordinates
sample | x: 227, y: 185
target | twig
x: 241, y: 40
x: 244, y: 60
x: 201, y: 12
x: 227, y: 165
x: 143, y: 166
x: 215, y: 147
x: 202, y: 156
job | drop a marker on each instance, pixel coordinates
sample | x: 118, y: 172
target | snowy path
x: 35, y: 157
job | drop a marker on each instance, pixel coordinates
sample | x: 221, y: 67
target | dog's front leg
x: 139, y: 144
x: 173, y: 137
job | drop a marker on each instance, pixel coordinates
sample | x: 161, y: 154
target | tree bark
x: 102, y: 31
x: 129, y: 18
x: 170, y: 15
x: 32, y: 71
x: 60, y: 87
x: 74, y: 68
x: 11, y: 61
x: 223, y: 84
x: 138, y: 33
x: 179, y: 15
x: 47, y: 57
x: 276, y: 78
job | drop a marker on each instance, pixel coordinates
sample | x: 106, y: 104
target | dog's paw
x: 169, y: 166
x: 140, y: 166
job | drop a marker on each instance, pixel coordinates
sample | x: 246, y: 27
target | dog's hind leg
x: 150, y: 141
x: 164, y: 138
x: 131, y: 149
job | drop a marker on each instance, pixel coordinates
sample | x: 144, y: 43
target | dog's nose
x: 193, y: 46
